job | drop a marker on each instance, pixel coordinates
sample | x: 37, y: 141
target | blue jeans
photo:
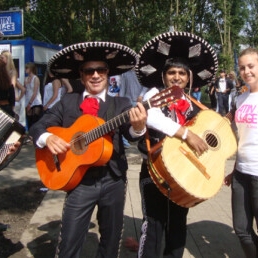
x: 197, y: 95
x: 245, y: 209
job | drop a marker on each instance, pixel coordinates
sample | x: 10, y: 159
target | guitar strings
x: 160, y: 98
x: 105, y: 128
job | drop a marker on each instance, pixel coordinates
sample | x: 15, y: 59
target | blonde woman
x: 33, y: 100
x: 19, y: 89
x: 244, y: 178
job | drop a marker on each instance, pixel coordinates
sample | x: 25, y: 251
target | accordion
x: 10, y: 132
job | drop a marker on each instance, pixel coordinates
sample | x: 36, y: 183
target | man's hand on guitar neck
x: 138, y: 117
x: 56, y: 145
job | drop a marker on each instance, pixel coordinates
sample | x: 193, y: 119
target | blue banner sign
x: 11, y: 23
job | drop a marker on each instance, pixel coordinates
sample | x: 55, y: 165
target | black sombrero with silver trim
x: 66, y: 62
x: 200, y: 56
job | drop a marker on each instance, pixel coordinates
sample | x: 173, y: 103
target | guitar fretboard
x: 110, y: 125
x: 160, y: 99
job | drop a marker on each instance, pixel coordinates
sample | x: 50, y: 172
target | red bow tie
x: 180, y: 107
x: 90, y: 106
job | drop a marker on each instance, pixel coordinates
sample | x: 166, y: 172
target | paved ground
x: 210, y: 233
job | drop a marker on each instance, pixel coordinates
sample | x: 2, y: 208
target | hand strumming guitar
x: 193, y: 140
x: 57, y: 145
x: 138, y: 117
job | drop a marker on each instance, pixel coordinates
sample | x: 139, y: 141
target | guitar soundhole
x: 78, y: 145
x: 211, y: 140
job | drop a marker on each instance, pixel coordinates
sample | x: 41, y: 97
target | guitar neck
x: 161, y: 99
x: 111, y: 124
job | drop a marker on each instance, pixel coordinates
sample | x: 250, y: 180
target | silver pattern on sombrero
x: 148, y: 69
x: 194, y: 50
x: 66, y: 62
x: 200, y: 55
x: 163, y: 48
x: 205, y: 74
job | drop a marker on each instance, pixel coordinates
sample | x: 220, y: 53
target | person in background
x: 53, y: 91
x: 19, y: 89
x: 223, y: 86
x: 244, y: 178
x: 197, y: 94
x: 33, y: 100
x: 7, y: 103
x: 7, y: 95
x: 67, y: 85
x: 113, y: 89
x: 103, y: 185
x: 233, y: 93
x: 212, y: 95
x: 131, y: 87
x: 165, y: 61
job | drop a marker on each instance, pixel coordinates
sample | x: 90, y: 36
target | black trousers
x: 98, y: 188
x: 160, y: 216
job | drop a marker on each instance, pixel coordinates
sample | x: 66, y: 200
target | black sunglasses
x: 91, y: 71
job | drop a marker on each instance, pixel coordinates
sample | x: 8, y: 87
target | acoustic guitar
x: 184, y: 177
x: 91, y: 145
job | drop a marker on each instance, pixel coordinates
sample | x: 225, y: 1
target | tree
x: 250, y: 32
x: 134, y: 22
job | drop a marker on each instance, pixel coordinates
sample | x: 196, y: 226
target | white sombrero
x: 200, y: 56
x: 66, y: 63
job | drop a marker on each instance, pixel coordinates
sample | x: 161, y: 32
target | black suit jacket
x: 229, y: 84
x: 67, y: 110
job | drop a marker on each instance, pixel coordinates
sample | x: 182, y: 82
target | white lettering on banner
x: 6, y: 24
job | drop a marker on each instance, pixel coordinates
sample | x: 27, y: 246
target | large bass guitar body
x: 184, y: 177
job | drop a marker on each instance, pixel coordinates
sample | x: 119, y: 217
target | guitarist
x: 167, y: 60
x: 103, y: 186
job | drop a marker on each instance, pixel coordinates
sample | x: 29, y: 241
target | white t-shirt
x: 48, y: 93
x: 29, y: 92
x: 246, y: 119
x: 222, y: 84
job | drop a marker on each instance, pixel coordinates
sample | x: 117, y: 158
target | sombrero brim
x: 200, y: 56
x: 66, y: 63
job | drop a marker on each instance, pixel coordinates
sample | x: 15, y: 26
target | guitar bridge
x: 195, y: 161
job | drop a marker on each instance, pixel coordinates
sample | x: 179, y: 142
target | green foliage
x: 226, y: 62
x: 251, y: 27
x: 134, y: 22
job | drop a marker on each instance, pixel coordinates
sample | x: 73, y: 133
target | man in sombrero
x: 170, y: 59
x: 102, y: 186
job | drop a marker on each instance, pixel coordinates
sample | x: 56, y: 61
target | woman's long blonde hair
x: 10, y: 64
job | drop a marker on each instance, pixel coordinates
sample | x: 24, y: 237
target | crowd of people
x: 223, y: 91
x: 113, y: 79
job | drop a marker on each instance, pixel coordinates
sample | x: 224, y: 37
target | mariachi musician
x: 102, y: 185
x: 170, y: 59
